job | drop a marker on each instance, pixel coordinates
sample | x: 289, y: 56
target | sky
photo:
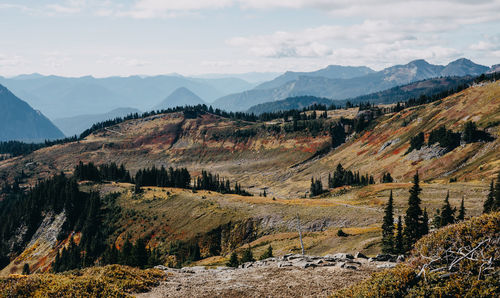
x: 193, y: 37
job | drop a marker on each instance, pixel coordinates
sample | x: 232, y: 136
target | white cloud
x: 11, y: 60
x: 159, y: 8
x: 377, y: 43
x: 67, y: 7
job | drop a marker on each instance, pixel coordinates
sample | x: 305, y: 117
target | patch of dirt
x: 270, y: 278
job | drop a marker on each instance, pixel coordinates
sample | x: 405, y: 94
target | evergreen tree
x: 267, y: 254
x: 247, y: 256
x: 436, y: 222
x: 233, y: 260
x: 496, y: 206
x: 139, y: 253
x: 26, y: 269
x: 447, y: 213
x: 413, y: 217
x: 388, y: 227
x: 399, y: 237
x: 490, y: 199
x: 126, y: 253
x: 461, y: 212
x: 425, y: 223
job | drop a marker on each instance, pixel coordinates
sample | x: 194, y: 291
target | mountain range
x: 71, y: 126
x: 344, y: 86
x: 59, y: 97
x: 19, y: 121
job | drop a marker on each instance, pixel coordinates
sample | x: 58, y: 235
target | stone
x: 386, y: 265
x: 161, y: 267
x: 385, y: 258
x: 305, y: 264
x: 360, y: 255
x: 284, y: 264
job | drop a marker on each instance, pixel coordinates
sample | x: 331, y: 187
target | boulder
x: 359, y: 255
x: 386, y: 265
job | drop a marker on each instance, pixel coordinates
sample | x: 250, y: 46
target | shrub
x: 341, y: 233
x: 460, y: 260
x: 108, y: 281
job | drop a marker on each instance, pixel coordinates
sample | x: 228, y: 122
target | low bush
x: 460, y: 260
x: 107, y: 281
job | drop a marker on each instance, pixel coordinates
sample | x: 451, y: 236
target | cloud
x: 159, y: 8
x: 378, y: 43
x: 11, y: 60
x: 123, y: 61
x: 490, y: 43
x: 67, y: 7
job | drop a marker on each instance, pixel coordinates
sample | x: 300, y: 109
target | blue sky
x: 109, y: 37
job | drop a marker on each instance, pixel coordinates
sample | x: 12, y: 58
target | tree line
x: 105, y: 172
x: 342, y: 177
x: 448, y: 139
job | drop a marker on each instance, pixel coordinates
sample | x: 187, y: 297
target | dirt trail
x: 278, y: 278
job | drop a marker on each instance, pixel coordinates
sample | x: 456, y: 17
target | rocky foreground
x: 289, y: 276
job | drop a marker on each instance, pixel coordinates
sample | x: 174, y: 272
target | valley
x: 274, y: 160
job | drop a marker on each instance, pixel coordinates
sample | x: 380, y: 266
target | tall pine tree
x: 490, y: 199
x: 447, y: 213
x: 496, y: 206
x: 413, y: 217
x: 461, y: 212
x: 399, y: 237
x: 388, y: 227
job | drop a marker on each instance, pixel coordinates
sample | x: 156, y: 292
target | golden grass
x: 108, y: 281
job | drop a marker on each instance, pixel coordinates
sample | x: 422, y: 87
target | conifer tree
x: 413, y: 217
x: 139, y: 253
x: 247, y: 256
x: 447, y: 213
x: 267, y: 254
x: 461, y: 212
x: 490, y: 199
x: 26, y: 269
x: 436, y: 221
x: 425, y: 223
x: 399, y: 237
x: 388, y: 227
x: 233, y: 260
x: 496, y: 206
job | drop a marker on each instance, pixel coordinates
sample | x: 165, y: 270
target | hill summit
x: 180, y: 97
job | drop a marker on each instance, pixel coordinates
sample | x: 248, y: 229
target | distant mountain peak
x: 419, y: 63
x: 181, y: 96
x: 19, y: 121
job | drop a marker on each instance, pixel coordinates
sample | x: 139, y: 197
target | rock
x: 386, y: 265
x: 161, y: 267
x: 385, y: 258
x: 284, y: 264
x: 194, y: 269
x: 293, y: 257
x: 320, y: 261
x: 359, y: 255
x: 305, y: 264
x: 341, y: 256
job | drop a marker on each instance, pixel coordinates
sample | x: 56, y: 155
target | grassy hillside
x: 260, y: 157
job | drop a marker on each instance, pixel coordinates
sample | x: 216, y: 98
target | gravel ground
x: 262, y: 281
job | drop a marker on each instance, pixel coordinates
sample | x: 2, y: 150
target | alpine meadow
x: 231, y: 148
